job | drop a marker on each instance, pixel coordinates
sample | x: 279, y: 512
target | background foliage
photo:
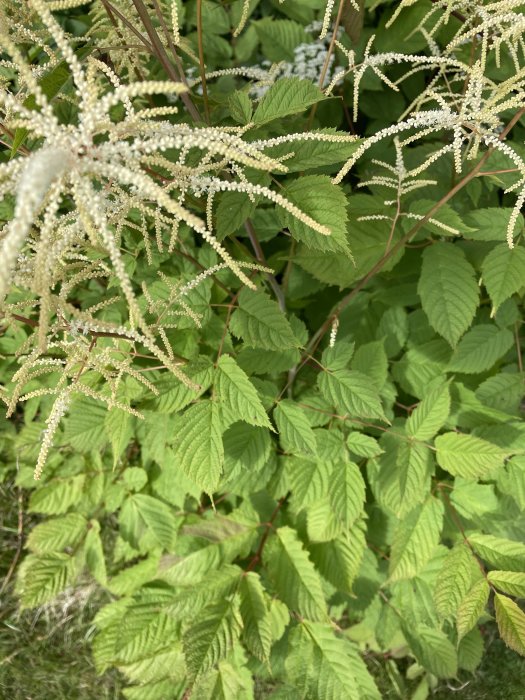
x: 262, y: 339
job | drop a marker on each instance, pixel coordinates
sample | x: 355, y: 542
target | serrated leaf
x: 363, y: 445
x: 324, y: 202
x: 295, y: 433
x: 84, y: 427
x: 490, y: 224
x: 502, y: 392
x: 211, y: 637
x: 261, y: 324
x: 503, y: 272
x: 467, y: 455
x: 415, y: 539
x: 280, y: 37
x: 198, y: 448
x: 430, y: 415
x: 141, y: 512
x: 371, y: 360
x: 346, y: 493
x: 119, y: 428
x: 448, y: 290
x: 246, y: 447
x: 511, y: 582
x: 511, y: 623
x: 434, y: 651
x: 312, y: 153
x: 330, y: 674
x: 480, y: 349
x: 293, y: 574
x: 94, y: 553
x: 322, y: 525
x: 56, y: 534
x: 238, y: 394
x: 454, y: 580
x: 338, y: 356
x: 57, y: 496
x: 470, y: 650
x: 351, y: 393
x: 471, y: 607
x: 286, y: 96
x: 498, y: 551
x: 405, y: 469
x: 41, y: 578
x: 174, y: 395
x: 257, y: 632
x: 338, y: 561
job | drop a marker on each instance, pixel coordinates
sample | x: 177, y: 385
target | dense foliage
x: 262, y: 276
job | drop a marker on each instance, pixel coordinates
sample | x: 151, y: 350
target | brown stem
x: 159, y: 51
x: 201, y: 61
x: 259, y: 254
x: 269, y: 526
x: 316, y: 338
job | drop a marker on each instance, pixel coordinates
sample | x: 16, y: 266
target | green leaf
x: 240, y: 105
x: 363, y: 445
x: 94, y: 553
x: 471, y: 607
x: 338, y: 356
x: 480, y: 349
x: 503, y: 272
x: 347, y: 493
x: 245, y: 447
x: 280, y: 37
x: 41, y: 578
x: 455, y: 579
x: 85, y: 426
x: 498, y: 551
x: 293, y: 574
x: 174, y: 395
x: 141, y: 512
x: 470, y: 650
x: 322, y: 525
x: 261, y: 324
x: 330, y: 675
x: 56, y: 534
x: 134, y: 478
x: 403, y: 479
x: 338, y: 561
x: 502, y: 392
x: 314, y: 153
x: 211, y: 637
x: 295, y: 433
x: 468, y: 456
x: 490, y: 224
x: 198, y: 448
x: 448, y: 290
x: 285, y: 97
x: 371, y: 360
x: 415, y: 538
x: 119, y: 428
x: 351, y: 393
x: 316, y: 196
x: 431, y: 414
x: 511, y: 623
x: 433, y: 650
x: 238, y: 394
x: 57, y: 496
x: 257, y: 632
x: 511, y: 582
x: 233, y: 210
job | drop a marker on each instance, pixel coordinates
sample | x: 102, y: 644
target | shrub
x: 262, y: 280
